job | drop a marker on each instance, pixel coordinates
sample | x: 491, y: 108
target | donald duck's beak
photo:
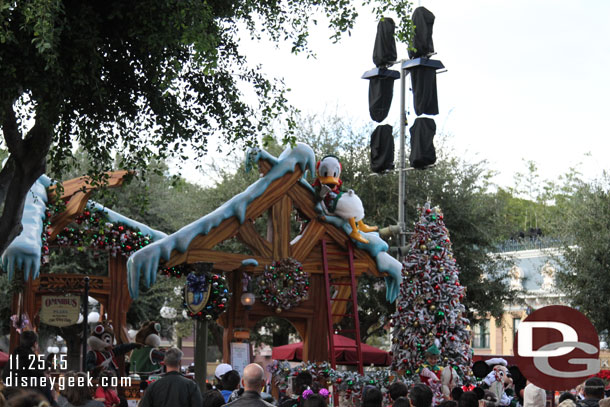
x: 329, y: 180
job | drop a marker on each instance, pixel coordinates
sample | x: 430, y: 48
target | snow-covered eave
x: 25, y: 251
x: 146, y: 260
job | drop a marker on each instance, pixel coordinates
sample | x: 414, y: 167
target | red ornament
x: 428, y: 211
x: 128, y: 248
x: 339, y: 380
x: 452, y: 338
x: 86, y: 213
x: 215, y: 277
x: 121, y: 228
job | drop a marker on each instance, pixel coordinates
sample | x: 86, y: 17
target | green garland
x: 348, y: 383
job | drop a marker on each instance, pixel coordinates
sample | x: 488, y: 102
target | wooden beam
x: 120, y: 300
x: 224, y: 261
x: 310, y: 238
x: 303, y: 200
x: 280, y: 220
x: 70, y: 187
x: 248, y: 235
x: 314, y: 266
x: 229, y: 227
x: 226, y: 230
x: 75, y: 205
x: 264, y: 166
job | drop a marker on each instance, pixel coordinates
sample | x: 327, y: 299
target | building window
x: 480, y: 334
x: 516, y: 322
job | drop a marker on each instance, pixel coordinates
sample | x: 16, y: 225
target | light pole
x: 402, y: 170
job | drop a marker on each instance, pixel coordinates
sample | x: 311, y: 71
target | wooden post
x: 201, y: 353
x: 85, y: 322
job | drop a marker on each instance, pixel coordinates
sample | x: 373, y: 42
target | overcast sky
x: 525, y: 80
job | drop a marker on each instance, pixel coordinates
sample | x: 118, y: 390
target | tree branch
x: 11, y: 131
x: 17, y: 178
x: 6, y: 175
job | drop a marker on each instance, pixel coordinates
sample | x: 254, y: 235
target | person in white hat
x: 221, y: 369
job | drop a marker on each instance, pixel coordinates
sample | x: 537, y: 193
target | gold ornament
x: 278, y: 310
x: 423, y: 247
x: 416, y: 324
x: 432, y: 307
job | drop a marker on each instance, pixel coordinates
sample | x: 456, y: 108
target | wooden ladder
x: 329, y: 302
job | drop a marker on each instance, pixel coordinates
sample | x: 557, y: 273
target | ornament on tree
x: 283, y: 285
x: 429, y: 306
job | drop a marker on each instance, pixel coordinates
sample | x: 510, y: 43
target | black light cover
x: 423, y: 84
x: 422, y: 142
x: 384, y: 52
x: 381, y: 90
x: 382, y: 149
x: 423, y: 19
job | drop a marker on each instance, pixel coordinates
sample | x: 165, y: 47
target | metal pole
x: 201, y: 353
x: 402, y: 172
x: 85, y: 322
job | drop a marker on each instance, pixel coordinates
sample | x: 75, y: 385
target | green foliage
x: 273, y: 331
x: 585, y: 257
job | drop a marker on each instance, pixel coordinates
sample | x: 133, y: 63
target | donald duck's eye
x: 326, y: 173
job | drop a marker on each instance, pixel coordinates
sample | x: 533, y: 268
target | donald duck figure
x: 344, y: 205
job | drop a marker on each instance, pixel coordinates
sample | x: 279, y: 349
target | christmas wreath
x: 283, y: 285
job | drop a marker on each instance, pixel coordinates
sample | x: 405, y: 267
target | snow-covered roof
x: 25, y: 251
x: 146, y: 260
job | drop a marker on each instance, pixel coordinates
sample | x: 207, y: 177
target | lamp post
x: 201, y: 337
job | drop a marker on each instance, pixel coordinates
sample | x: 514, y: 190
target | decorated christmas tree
x: 429, y: 319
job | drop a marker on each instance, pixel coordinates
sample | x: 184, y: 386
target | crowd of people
x: 30, y: 385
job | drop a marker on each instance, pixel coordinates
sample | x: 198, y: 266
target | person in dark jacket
x: 594, y: 392
x: 301, y: 383
x: 23, y: 357
x: 253, y: 381
x: 229, y: 382
x: 173, y: 389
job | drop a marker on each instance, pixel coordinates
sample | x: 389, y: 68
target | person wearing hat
x: 221, y: 369
x: 433, y: 355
